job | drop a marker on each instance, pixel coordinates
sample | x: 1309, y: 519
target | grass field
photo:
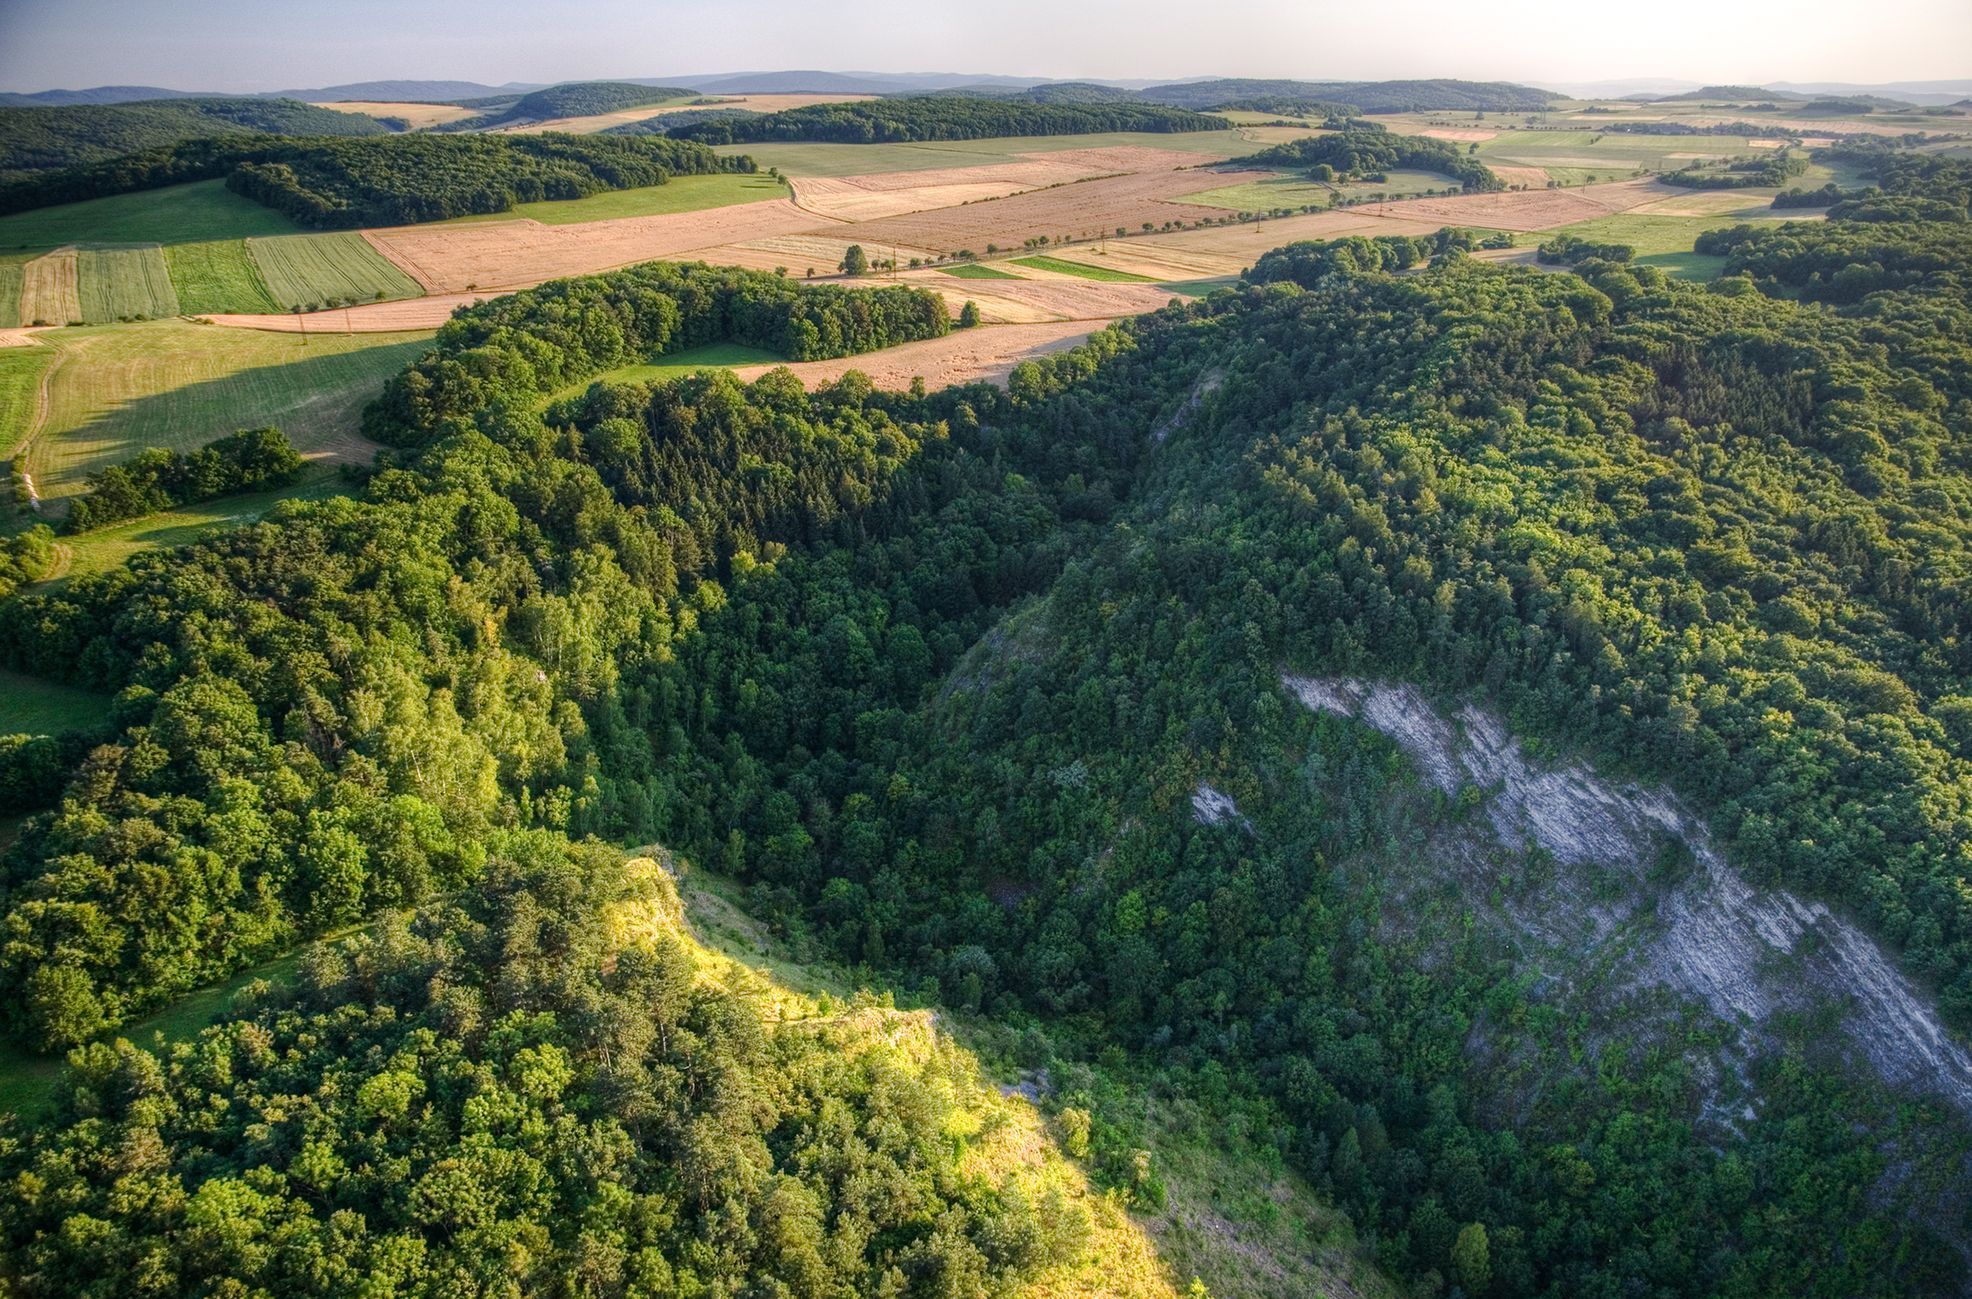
x: 11, y: 268
x: 49, y: 293
x: 216, y: 276
x: 858, y: 159
x: 124, y: 284
x: 1082, y: 270
x: 115, y: 389
x: 31, y: 706
x: 1663, y: 241
x: 311, y: 270
x: 973, y: 271
x: 713, y: 356
x: 109, y: 548
x: 680, y: 194
x: 20, y: 374
x: 178, y: 214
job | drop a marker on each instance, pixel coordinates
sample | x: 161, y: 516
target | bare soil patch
x: 520, y: 254
x: 1520, y: 175
x: 370, y: 318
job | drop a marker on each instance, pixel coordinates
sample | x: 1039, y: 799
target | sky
x: 250, y: 45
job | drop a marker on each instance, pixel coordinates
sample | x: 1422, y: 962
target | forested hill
x: 1366, y: 96
x: 572, y: 99
x: 38, y: 140
x: 982, y: 690
x: 946, y: 117
x: 334, y: 184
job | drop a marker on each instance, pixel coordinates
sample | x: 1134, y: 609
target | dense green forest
x: 36, y: 140
x: 1363, y: 150
x: 571, y: 99
x: 937, y: 673
x: 1365, y: 96
x: 334, y: 184
x: 944, y: 117
x: 517, y: 1093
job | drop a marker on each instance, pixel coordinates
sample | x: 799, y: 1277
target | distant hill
x: 570, y: 99
x: 94, y: 95
x: 1734, y: 94
x: 1369, y: 96
x: 796, y: 83
x: 408, y: 92
x: 43, y: 139
x: 1052, y: 92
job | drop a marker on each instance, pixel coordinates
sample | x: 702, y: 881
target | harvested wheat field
x: 875, y: 195
x: 419, y: 116
x: 843, y: 198
x: 519, y: 254
x: 796, y: 254
x: 1053, y: 298
x: 1081, y: 210
x: 370, y: 318
x: 1226, y: 250
x: 1450, y: 133
x: 1527, y: 209
x: 1701, y: 202
x: 50, y: 290
x: 1520, y: 175
x: 987, y: 353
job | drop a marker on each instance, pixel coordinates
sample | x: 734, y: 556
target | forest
x: 337, y: 184
x: 935, y: 675
x: 1364, y: 149
x: 571, y: 99
x: 1365, y: 96
x: 944, y: 117
x: 38, y: 140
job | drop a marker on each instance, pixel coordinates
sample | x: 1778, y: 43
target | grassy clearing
x: 114, y: 390
x: 124, y: 284
x: 313, y: 270
x: 713, y: 356
x: 1082, y: 270
x: 680, y: 194
x: 857, y: 159
x: 49, y: 290
x: 974, y: 271
x: 217, y: 276
x: 179, y: 214
x: 1199, y: 288
x: 110, y: 548
x: 31, y: 706
x: 1662, y: 241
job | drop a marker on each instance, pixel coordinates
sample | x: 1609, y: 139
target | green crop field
x: 857, y: 159
x: 124, y: 284
x: 179, y: 214
x: 216, y: 276
x: 1082, y: 270
x: 313, y: 270
x: 10, y: 290
x: 116, y: 389
x: 973, y: 271
x: 1665, y: 241
x: 680, y: 194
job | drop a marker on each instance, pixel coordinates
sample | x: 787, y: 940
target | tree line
x: 335, y: 184
x: 39, y: 140
x: 1364, y: 149
x: 943, y: 117
x: 157, y: 478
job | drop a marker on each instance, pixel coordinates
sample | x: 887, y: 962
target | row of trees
x: 944, y: 117
x: 157, y: 479
x: 333, y: 183
x: 1365, y: 149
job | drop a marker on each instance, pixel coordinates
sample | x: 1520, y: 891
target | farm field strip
x: 679, y: 194
x: 12, y: 271
x: 49, y: 292
x: 190, y: 213
x: 517, y: 254
x: 116, y: 389
x: 419, y: 116
x: 1081, y: 270
x: 593, y: 122
x: 217, y: 275
x: 124, y: 284
x: 306, y: 270
x: 986, y: 353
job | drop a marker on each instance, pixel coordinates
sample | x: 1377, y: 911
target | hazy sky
x: 276, y: 44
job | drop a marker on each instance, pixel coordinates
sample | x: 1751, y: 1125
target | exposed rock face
x: 1211, y: 807
x: 1746, y: 953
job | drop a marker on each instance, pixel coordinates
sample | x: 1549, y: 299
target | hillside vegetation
x: 1361, y: 152
x: 572, y: 99
x: 944, y: 117
x: 1365, y: 96
x: 984, y: 689
x: 37, y: 140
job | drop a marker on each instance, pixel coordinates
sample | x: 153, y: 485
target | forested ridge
x: 937, y: 674
x: 944, y: 117
x: 38, y: 140
x: 1362, y: 150
x: 333, y: 184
